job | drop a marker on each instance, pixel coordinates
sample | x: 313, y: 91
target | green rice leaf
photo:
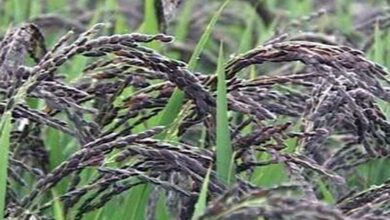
x: 57, y: 207
x: 5, y: 134
x: 224, y: 145
x: 172, y: 109
x: 328, y: 197
x: 201, y: 204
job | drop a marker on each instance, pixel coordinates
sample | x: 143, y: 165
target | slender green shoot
x: 326, y: 193
x: 5, y: 135
x: 224, y: 145
x: 150, y: 23
x: 57, y: 208
x: 175, y: 103
x: 201, y: 204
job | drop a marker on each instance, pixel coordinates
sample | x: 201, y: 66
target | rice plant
x: 169, y: 109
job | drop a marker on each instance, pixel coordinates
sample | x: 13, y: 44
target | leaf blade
x: 224, y: 145
x: 5, y: 135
